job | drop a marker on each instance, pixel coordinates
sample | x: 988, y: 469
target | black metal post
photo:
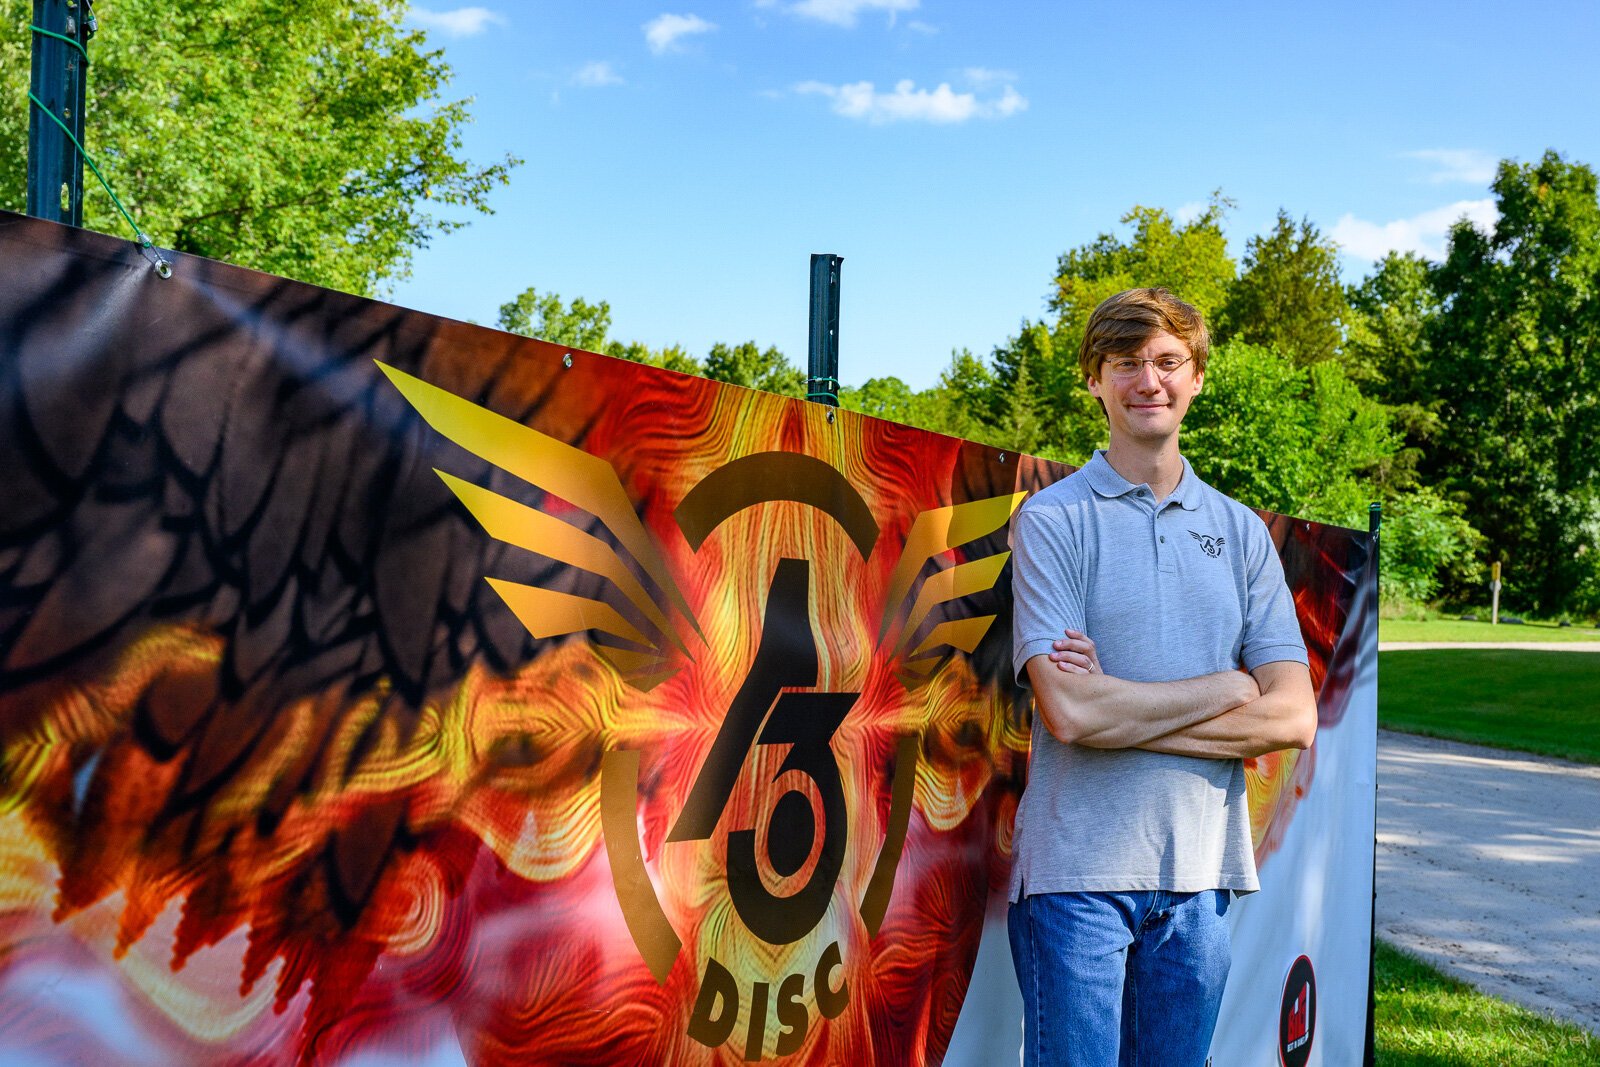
x: 60, y: 82
x: 1374, y: 527
x: 822, y: 377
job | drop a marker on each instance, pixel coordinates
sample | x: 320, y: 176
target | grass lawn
x: 1425, y: 1019
x: 1456, y: 630
x: 1545, y: 702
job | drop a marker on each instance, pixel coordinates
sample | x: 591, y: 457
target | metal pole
x: 822, y: 377
x: 1374, y: 528
x: 1494, y: 592
x: 60, y: 81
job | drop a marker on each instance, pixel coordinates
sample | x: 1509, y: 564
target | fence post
x: 1374, y: 528
x: 822, y: 374
x: 60, y: 79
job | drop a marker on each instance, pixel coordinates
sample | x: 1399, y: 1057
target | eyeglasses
x: 1126, y: 368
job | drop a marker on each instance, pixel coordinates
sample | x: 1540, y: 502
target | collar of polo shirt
x: 1104, y: 479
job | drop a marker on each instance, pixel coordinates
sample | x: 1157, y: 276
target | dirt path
x: 1489, y: 868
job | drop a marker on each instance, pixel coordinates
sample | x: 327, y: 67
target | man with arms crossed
x: 1135, y: 829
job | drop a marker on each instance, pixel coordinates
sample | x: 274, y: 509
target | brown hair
x: 1124, y: 322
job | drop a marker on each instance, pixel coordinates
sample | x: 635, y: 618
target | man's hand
x: 1075, y: 653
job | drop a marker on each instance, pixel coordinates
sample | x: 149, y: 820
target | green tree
x: 749, y: 365
x: 307, y: 140
x: 1297, y: 440
x: 1514, y: 361
x: 579, y: 324
x: 1426, y: 541
x: 886, y: 398
x: 1289, y: 296
x: 1392, y: 315
x: 1030, y: 394
x: 1191, y: 259
x: 1039, y: 401
x: 671, y: 357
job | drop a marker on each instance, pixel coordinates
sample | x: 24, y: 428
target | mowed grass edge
x: 1531, y: 701
x: 1427, y: 1019
x: 1456, y: 630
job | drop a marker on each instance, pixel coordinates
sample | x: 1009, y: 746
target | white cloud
x: 596, y: 74
x: 1188, y: 212
x: 907, y: 103
x: 844, y: 12
x: 985, y: 76
x: 922, y: 27
x: 662, y: 32
x: 1458, y: 165
x: 1424, y: 233
x: 460, y: 22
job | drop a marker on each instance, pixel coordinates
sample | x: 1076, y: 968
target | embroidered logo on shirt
x: 1212, y: 546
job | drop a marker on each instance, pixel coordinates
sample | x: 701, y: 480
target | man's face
x: 1148, y: 407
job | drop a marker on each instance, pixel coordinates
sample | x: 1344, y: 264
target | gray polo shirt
x: 1191, y: 587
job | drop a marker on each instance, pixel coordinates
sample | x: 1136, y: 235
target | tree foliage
x: 579, y: 324
x: 1289, y: 296
x: 1426, y: 542
x: 309, y: 140
x: 1297, y: 440
x: 749, y: 365
x: 1189, y: 258
x: 1514, y: 365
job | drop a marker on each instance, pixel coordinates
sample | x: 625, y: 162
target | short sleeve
x: 1271, y: 626
x: 1046, y: 586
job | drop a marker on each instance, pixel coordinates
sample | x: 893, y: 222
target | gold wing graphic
x: 933, y: 533
x: 587, y: 482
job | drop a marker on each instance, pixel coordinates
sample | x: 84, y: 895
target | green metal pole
x: 822, y: 378
x: 1370, y: 1052
x: 60, y: 81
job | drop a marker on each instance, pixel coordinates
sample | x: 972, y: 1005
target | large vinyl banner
x: 379, y: 688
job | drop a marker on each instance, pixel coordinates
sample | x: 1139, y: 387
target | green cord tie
x: 831, y: 394
x: 147, y: 247
x: 73, y: 41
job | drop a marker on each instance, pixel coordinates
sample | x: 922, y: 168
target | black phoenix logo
x: 1212, y: 546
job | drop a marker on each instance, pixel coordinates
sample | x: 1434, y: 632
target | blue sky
x: 684, y: 158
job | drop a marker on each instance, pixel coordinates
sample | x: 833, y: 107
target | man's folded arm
x: 1284, y: 716
x: 1102, y: 711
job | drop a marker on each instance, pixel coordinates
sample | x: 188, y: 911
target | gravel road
x: 1489, y: 868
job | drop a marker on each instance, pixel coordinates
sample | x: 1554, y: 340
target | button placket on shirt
x: 1167, y: 562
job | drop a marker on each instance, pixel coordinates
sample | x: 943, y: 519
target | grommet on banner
x: 566, y: 360
x: 147, y: 247
x: 1002, y: 457
x: 830, y: 416
x: 148, y: 250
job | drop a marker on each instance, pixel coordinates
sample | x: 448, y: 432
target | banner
x: 380, y: 688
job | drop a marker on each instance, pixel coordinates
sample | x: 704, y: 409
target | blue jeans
x: 1129, y: 979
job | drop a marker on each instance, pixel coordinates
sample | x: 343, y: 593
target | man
x: 1134, y: 829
